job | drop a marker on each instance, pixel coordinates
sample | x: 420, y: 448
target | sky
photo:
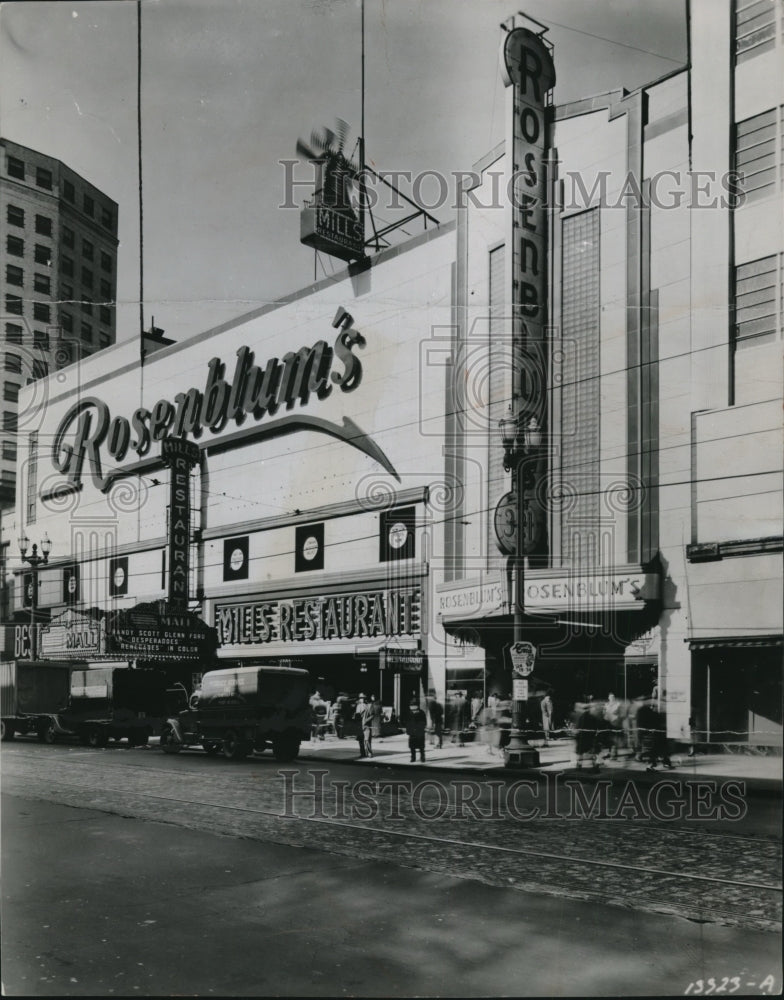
x: 228, y: 86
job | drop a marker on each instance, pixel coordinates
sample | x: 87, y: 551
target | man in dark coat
x: 436, y: 711
x: 416, y: 727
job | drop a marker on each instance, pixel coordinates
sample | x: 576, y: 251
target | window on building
x: 10, y: 421
x: 14, y: 245
x: 87, y: 333
x: 13, y: 333
x: 66, y: 292
x: 32, y: 477
x: 13, y: 363
x: 69, y: 192
x: 755, y: 27
x: 104, y: 339
x: 105, y: 315
x: 14, y: 275
x: 68, y: 237
x: 87, y: 306
x: 41, y: 283
x: 9, y: 451
x: 106, y: 262
x: 87, y: 277
x: 15, y: 215
x: 67, y: 266
x: 107, y: 217
x: 43, y: 178
x: 758, y: 285
x: 66, y: 321
x: 40, y: 340
x: 755, y: 154
x: 13, y: 304
x: 88, y: 204
x: 88, y: 250
x: 43, y: 225
x: 16, y: 168
x: 106, y: 290
x: 43, y: 254
x: 40, y: 368
x: 42, y: 312
x: 11, y: 392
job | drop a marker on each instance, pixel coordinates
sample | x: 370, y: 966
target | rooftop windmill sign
x: 332, y: 220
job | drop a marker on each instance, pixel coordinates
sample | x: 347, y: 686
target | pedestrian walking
x: 318, y: 717
x: 612, y: 716
x: 436, y: 712
x: 359, y: 713
x: 457, y: 718
x: 587, y: 722
x: 547, y: 717
x: 376, y: 717
x: 416, y: 727
x: 366, y: 722
x: 652, y: 726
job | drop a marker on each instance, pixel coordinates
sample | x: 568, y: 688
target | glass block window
x: 755, y: 26
x: 499, y: 397
x: 758, y: 145
x: 759, y: 294
x: 580, y: 386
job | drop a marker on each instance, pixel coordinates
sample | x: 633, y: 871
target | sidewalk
x: 763, y: 774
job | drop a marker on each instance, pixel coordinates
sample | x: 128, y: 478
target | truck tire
x: 211, y: 747
x: 97, y: 738
x: 6, y: 730
x: 234, y: 746
x: 285, y: 748
x: 47, y: 733
x: 169, y: 742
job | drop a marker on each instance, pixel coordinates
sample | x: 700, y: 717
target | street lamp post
x: 521, y: 446
x: 35, y: 561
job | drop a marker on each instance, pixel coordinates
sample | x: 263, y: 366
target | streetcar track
x: 668, y: 828
x: 545, y: 855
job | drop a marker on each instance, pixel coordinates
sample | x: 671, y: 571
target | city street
x: 128, y: 871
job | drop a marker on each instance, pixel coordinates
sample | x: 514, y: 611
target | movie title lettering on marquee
x: 341, y: 616
x: 88, y: 434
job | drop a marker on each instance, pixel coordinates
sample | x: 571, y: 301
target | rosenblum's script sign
x: 339, y: 616
x: 88, y: 433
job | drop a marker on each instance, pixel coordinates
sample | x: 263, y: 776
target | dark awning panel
x: 735, y: 642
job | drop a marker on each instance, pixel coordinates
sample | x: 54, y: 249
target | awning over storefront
x: 735, y: 642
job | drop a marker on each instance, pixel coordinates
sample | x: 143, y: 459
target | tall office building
x: 59, y: 266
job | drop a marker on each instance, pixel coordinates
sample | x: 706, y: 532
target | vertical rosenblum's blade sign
x: 180, y: 456
x: 528, y: 68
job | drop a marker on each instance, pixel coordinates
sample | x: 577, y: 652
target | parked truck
x: 113, y: 703
x: 243, y: 709
x: 32, y: 693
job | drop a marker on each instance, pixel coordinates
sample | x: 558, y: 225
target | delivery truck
x: 32, y: 693
x: 245, y: 709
